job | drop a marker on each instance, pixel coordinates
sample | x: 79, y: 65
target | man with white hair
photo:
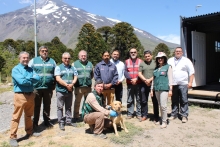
x: 84, y: 81
x: 23, y: 78
x: 66, y: 76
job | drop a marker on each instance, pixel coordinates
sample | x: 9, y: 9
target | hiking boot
x: 164, y: 125
x: 48, y: 124
x: 156, y: 122
x: 172, y: 118
x: 91, y: 127
x: 139, y: 118
x: 144, y: 118
x: 128, y: 117
x: 13, y: 142
x: 75, y: 120
x: 103, y: 136
x: 184, y: 119
x: 71, y: 124
x: 62, y: 127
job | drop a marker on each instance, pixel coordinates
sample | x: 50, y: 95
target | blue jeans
x: 145, y: 90
x: 180, y: 100
x: 133, y: 92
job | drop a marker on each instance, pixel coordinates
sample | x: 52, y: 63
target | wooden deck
x: 203, y: 94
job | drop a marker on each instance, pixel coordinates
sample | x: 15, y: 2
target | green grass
x: 29, y: 144
x: 4, y: 144
x: 126, y: 138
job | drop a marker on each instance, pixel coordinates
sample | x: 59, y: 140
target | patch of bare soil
x: 202, y: 129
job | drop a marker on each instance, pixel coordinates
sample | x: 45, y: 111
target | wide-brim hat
x: 161, y: 54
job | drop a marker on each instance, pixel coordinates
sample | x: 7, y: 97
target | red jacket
x: 133, y: 69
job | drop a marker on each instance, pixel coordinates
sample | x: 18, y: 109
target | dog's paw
x: 126, y: 131
x: 116, y: 135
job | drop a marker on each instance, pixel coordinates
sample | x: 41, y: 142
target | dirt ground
x: 202, y: 129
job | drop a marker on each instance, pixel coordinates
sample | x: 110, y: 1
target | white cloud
x: 26, y: 1
x: 170, y: 38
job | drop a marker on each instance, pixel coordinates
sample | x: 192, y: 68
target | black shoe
x: 75, y: 120
x: 48, y: 124
x: 71, y: 124
x: 62, y: 127
x: 13, y: 142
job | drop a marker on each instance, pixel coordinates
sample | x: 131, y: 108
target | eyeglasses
x: 133, y: 52
x: 66, y: 58
x: 44, y: 51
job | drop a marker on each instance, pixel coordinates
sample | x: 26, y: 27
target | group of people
x: 35, y: 80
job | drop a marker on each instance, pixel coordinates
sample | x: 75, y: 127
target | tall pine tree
x: 125, y: 39
x: 90, y: 41
x: 161, y: 47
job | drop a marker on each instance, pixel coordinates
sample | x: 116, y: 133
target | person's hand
x: 189, y: 85
x: 170, y: 93
x: 151, y: 93
x: 113, y: 113
x: 108, y: 107
x: 118, y: 83
x: 69, y: 87
x: 134, y: 81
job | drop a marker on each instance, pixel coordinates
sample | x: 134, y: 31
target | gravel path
x: 6, y: 109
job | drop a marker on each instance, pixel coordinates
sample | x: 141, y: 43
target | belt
x: 24, y: 93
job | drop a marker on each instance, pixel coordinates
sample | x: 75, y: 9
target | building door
x: 199, y: 58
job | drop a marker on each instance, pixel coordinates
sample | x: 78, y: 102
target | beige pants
x: 98, y: 119
x: 22, y: 102
x: 109, y: 94
x: 79, y: 93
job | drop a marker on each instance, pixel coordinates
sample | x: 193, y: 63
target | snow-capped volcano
x: 56, y: 18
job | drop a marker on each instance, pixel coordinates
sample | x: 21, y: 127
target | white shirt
x: 120, y: 68
x: 182, y: 70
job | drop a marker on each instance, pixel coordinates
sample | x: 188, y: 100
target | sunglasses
x: 44, y: 51
x: 66, y: 58
x: 133, y: 52
x: 160, y: 58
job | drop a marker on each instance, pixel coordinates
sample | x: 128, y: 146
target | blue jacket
x: 106, y: 72
x: 23, y: 78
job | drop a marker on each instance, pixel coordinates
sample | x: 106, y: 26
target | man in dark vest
x: 84, y: 81
x: 44, y: 66
x: 145, y: 73
x: 133, y: 84
x: 66, y: 77
x: 94, y: 112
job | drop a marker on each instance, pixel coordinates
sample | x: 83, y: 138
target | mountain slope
x: 56, y: 18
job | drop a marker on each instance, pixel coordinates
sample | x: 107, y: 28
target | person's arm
x: 19, y: 78
x: 152, y: 87
x: 31, y: 62
x: 91, y: 100
x: 190, y: 81
x: 97, y: 74
x: 191, y: 72
x: 92, y: 73
x: 123, y: 70
x: 170, y: 78
x: 35, y: 78
x: 115, y: 77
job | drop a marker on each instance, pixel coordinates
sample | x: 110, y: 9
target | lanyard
x: 176, y: 62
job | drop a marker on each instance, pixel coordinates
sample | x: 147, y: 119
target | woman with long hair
x: 161, y: 84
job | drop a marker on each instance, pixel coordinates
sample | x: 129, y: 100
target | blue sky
x: 161, y: 18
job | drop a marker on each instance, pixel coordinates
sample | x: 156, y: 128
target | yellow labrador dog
x: 118, y: 120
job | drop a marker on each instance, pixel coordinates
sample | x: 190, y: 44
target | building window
x: 217, y: 46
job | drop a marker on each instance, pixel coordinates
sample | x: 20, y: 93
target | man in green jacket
x: 84, y: 81
x: 44, y: 66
